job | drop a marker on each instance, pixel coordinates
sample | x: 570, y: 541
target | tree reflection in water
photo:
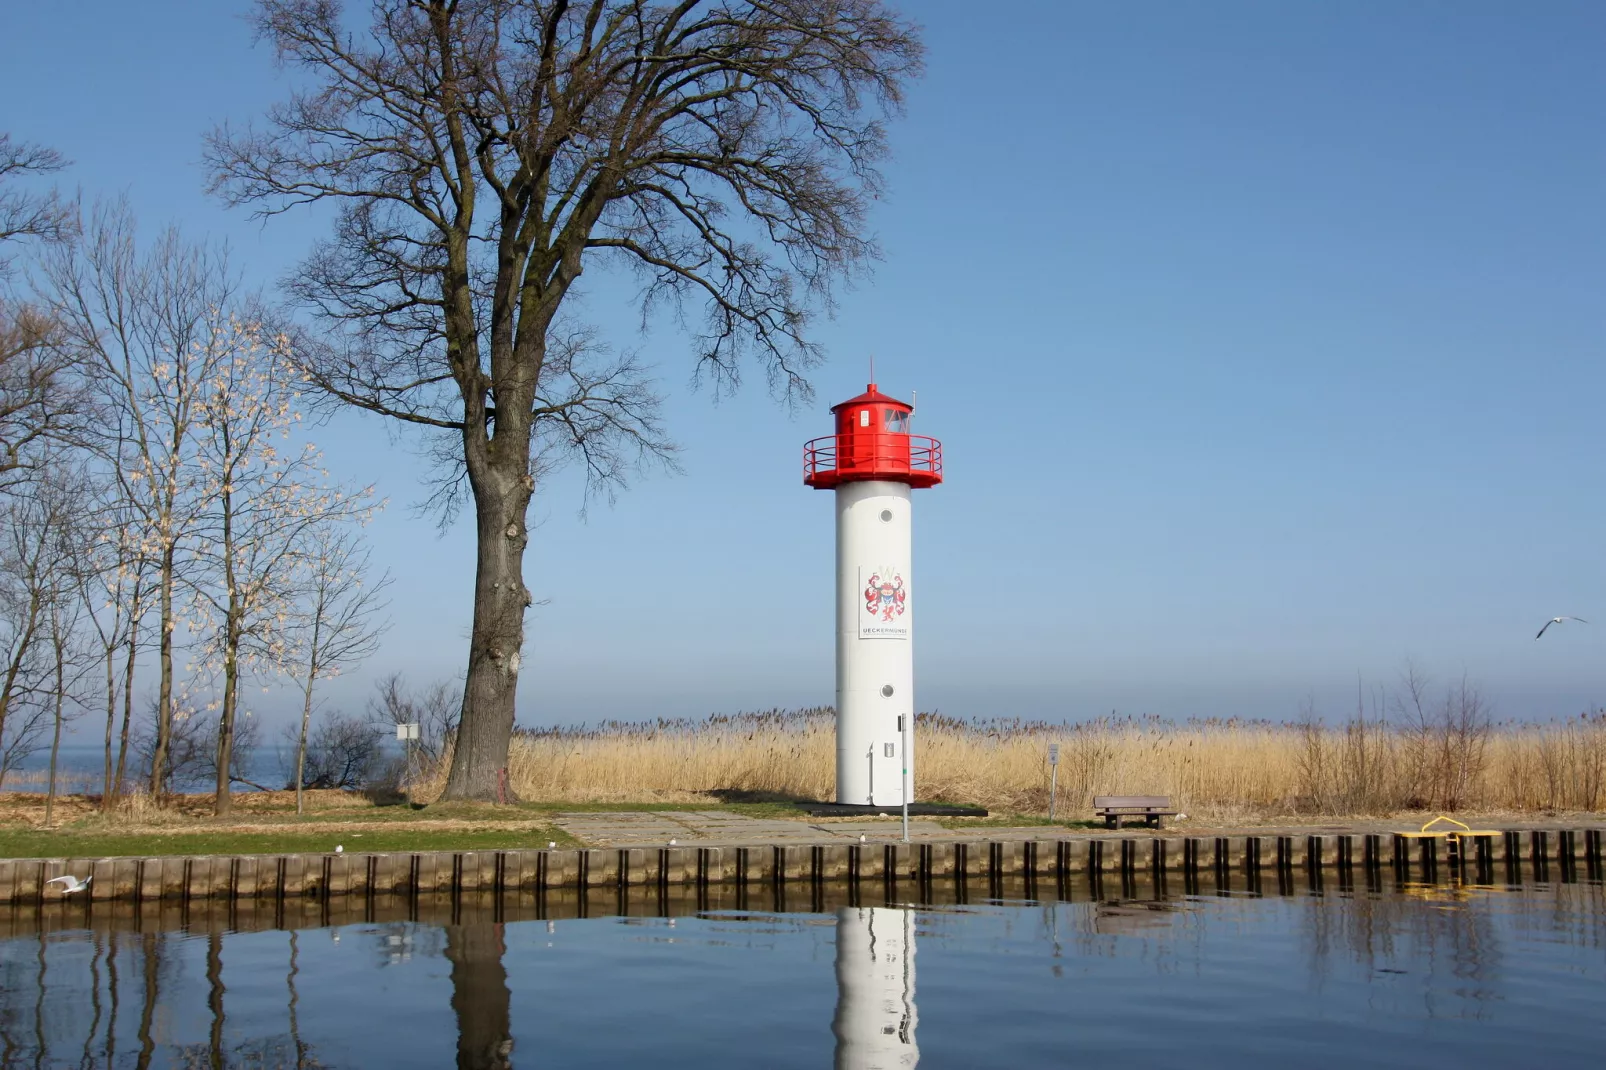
x: 224, y: 987
x: 480, y: 997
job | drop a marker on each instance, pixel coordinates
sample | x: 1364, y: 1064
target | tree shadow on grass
x: 743, y: 795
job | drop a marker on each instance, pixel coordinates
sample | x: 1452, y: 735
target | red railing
x: 912, y: 459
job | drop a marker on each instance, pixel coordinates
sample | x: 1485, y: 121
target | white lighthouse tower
x: 873, y: 464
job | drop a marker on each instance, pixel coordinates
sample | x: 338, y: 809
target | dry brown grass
x: 1222, y: 770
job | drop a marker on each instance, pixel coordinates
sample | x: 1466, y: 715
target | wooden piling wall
x: 1507, y: 855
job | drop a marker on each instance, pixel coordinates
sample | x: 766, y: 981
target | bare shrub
x: 343, y: 751
x: 192, y: 749
x: 1315, y: 763
x: 1445, y: 742
x: 435, y: 709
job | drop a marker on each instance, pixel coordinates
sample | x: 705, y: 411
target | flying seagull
x: 1558, y: 620
x: 69, y: 884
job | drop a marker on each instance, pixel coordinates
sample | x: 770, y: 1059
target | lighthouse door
x: 886, y: 775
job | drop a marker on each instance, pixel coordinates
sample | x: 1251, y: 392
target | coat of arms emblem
x: 885, y: 598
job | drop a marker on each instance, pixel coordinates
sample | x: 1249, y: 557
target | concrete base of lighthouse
x: 875, y: 639
x: 833, y: 809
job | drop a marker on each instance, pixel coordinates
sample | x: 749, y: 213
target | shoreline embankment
x: 1482, y: 855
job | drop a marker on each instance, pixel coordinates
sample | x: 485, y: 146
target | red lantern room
x: 872, y: 442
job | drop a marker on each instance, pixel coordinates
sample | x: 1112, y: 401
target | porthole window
x: 886, y: 690
x: 886, y: 516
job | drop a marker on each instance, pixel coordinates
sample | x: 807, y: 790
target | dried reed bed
x: 1213, y: 769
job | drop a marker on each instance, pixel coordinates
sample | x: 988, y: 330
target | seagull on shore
x: 70, y: 884
x: 550, y: 844
x: 862, y: 838
x: 1558, y: 620
x: 339, y: 850
x: 671, y: 843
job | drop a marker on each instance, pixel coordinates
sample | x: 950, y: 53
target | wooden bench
x: 1112, y: 808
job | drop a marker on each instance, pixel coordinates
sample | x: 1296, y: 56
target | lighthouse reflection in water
x: 875, y: 989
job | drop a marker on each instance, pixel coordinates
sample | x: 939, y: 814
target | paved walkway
x: 717, y: 828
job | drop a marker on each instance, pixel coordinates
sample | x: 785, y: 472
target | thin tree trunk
x: 111, y: 992
x: 128, y: 704
x: 108, y: 794
x: 224, y: 801
x: 306, y: 706
x: 164, y: 698
x: 14, y: 669
x: 496, y: 641
x: 295, y: 1025
x: 214, y: 998
x: 55, y: 740
x: 94, y: 1001
x: 151, y: 965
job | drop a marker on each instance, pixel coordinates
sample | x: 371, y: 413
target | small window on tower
x: 864, y: 417
x: 898, y: 421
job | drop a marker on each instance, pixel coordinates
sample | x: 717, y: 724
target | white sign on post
x: 1053, y: 754
x: 407, y: 731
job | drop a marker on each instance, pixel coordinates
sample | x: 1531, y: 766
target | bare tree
x: 25, y: 214
x: 31, y: 587
x: 338, y: 625
x: 263, y: 504
x: 67, y: 666
x: 42, y: 402
x: 1445, y: 742
x: 483, y: 154
x: 434, y: 709
x: 111, y: 577
x: 40, y: 398
x: 341, y: 752
x: 192, y: 749
x: 143, y: 322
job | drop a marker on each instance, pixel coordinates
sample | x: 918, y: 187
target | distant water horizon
x: 80, y: 768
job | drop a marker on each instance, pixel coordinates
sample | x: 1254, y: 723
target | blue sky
x: 1264, y: 339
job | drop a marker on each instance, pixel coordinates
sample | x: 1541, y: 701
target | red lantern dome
x: 872, y: 442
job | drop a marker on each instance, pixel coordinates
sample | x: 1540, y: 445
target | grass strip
x: 38, y: 843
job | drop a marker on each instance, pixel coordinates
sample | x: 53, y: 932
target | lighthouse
x: 873, y: 464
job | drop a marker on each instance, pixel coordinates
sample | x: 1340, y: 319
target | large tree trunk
x: 480, y: 997
x: 502, y: 489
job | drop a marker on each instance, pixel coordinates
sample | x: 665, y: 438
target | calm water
x: 1135, y: 974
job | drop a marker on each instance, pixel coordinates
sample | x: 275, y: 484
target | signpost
x: 1053, y: 776
x: 407, y: 733
x: 903, y: 730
